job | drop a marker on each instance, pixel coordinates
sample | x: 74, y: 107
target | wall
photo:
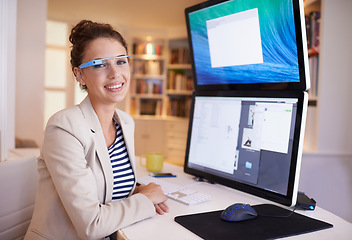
x: 335, y: 85
x: 30, y: 60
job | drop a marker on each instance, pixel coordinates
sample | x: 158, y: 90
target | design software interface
x: 246, y: 139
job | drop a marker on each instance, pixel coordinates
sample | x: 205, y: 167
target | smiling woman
x: 106, y: 78
x: 87, y: 159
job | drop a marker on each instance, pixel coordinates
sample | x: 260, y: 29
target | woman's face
x: 107, y: 83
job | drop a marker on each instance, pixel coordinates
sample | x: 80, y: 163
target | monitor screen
x: 248, y: 44
x: 249, y: 141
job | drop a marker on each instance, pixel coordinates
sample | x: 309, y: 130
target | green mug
x: 153, y: 161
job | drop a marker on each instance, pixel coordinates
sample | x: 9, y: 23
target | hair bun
x: 79, y: 30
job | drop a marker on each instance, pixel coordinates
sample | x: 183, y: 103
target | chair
x: 18, y: 184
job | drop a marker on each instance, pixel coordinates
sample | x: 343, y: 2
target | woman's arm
x: 156, y: 195
x: 69, y: 154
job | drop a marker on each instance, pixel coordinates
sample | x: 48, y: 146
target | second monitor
x: 251, y: 141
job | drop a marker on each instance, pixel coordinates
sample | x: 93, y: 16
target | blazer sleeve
x: 64, y: 152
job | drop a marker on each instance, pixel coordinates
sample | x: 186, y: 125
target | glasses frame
x: 100, y: 61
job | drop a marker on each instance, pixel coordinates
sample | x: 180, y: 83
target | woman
x: 87, y: 186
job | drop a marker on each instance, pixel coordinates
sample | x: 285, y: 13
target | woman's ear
x: 79, y: 76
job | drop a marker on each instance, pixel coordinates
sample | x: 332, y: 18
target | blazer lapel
x: 101, y: 149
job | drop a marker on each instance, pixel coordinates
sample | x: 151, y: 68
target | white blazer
x: 76, y: 181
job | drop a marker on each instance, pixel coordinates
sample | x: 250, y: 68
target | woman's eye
x: 121, y: 62
x: 103, y: 65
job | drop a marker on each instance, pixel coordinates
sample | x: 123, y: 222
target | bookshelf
x: 148, y: 77
x: 179, y: 79
x: 162, y: 82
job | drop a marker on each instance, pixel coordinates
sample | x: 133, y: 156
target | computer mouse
x: 238, y: 212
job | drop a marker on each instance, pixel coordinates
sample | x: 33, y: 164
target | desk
x: 164, y: 226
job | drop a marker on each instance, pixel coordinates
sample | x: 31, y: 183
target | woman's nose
x: 114, y: 71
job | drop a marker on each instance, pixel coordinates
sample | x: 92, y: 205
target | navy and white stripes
x: 123, y: 174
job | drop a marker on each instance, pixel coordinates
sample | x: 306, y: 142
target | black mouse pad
x: 210, y: 226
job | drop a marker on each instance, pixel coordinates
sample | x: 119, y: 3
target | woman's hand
x: 161, y: 208
x: 156, y: 195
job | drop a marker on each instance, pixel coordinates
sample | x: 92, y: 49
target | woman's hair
x: 84, y: 33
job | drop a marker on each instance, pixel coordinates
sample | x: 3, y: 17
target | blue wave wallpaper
x: 277, y: 31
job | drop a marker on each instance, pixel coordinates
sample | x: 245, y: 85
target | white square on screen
x: 235, y: 39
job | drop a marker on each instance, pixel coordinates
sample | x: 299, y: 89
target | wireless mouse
x: 238, y: 212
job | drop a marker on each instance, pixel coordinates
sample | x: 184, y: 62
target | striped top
x: 121, y: 166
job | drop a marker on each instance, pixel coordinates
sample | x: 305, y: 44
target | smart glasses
x: 103, y: 64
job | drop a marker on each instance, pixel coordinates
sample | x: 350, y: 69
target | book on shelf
x: 151, y: 48
x: 148, y: 67
x: 155, y: 67
x: 148, y: 86
x: 150, y: 107
x: 178, y: 80
x: 180, y: 56
x: 313, y: 32
x: 314, y: 70
x: 179, y: 106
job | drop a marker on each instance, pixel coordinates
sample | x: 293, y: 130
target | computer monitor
x: 251, y: 141
x: 248, y: 45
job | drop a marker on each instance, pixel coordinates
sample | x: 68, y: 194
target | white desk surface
x: 164, y: 226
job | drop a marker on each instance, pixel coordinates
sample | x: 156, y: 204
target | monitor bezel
x: 290, y: 198
x: 302, y: 52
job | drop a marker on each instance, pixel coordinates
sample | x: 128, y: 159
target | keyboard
x: 177, y: 192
